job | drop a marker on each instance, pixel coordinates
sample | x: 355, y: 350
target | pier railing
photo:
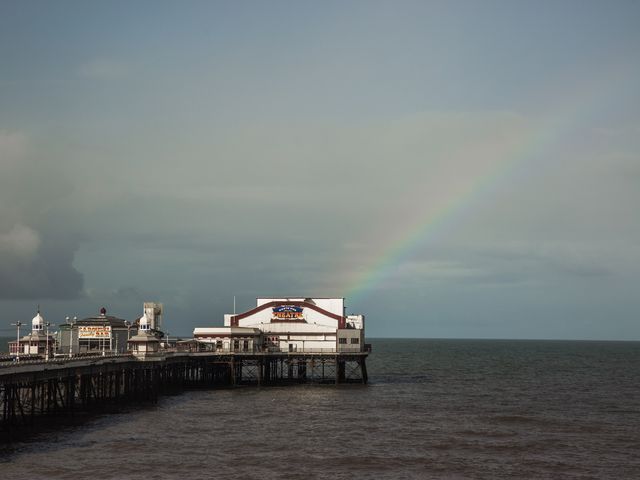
x: 63, y: 358
x: 58, y: 359
x: 275, y: 351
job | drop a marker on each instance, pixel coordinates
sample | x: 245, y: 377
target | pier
x: 33, y: 390
x: 104, y: 362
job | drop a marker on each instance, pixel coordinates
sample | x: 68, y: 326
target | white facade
x: 288, y: 325
x: 333, y: 305
x: 229, y: 339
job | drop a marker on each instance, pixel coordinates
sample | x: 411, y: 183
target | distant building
x: 287, y: 325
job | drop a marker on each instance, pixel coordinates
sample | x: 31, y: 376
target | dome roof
x: 144, y: 322
x: 37, y: 320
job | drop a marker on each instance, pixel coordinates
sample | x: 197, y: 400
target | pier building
x: 287, y: 325
x: 229, y: 339
x: 37, y: 342
x: 106, y: 333
x: 95, y: 334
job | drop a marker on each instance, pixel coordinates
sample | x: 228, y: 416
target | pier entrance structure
x: 290, y: 325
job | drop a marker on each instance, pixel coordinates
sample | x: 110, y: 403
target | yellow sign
x: 94, y: 331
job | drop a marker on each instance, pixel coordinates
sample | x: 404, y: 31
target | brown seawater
x: 433, y: 409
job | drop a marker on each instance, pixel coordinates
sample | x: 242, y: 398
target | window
x: 355, y: 340
x: 342, y: 340
x: 219, y: 344
x: 245, y: 345
x: 236, y: 344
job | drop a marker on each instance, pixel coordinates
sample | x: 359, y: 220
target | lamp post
x: 17, y: 325
x: 128, y: 324
x: 70, y: 334
x: 47, y: 324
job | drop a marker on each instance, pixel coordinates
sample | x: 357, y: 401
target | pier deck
x: 63, y: 386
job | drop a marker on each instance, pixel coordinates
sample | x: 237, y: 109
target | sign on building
x: 94, y: 331
x: 287, y: 313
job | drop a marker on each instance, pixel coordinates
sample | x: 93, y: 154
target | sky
x: 455, y: 169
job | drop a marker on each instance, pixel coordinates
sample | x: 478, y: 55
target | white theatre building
x: 287, y: 325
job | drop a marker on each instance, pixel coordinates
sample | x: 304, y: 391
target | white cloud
x: 20, y: 242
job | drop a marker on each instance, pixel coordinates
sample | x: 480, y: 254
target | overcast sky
x: 454, y: 169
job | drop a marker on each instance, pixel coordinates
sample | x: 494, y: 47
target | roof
x: 302, y: 296
x: 37, y: 336
x: 144, y: 338
x: 102, y: 320
x: 225, y: 331
x: 264, y: 306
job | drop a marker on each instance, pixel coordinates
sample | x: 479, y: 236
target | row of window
x: 245, y: 343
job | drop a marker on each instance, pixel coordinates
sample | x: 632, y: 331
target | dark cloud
x: 37, y: 250
x: 41, y: 267
x: 129, y: 293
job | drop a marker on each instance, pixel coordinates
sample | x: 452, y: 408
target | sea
x: 433, y: 409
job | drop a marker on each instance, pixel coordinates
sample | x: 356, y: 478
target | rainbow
x: 509, y: 158
x: 435, y: 223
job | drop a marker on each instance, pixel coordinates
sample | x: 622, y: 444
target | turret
x: 144, y: 324
x: 37, y: 324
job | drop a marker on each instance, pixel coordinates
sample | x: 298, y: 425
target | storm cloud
x: 36, y: 258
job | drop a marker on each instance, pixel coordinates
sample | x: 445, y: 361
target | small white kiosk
x: 144, y: 342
